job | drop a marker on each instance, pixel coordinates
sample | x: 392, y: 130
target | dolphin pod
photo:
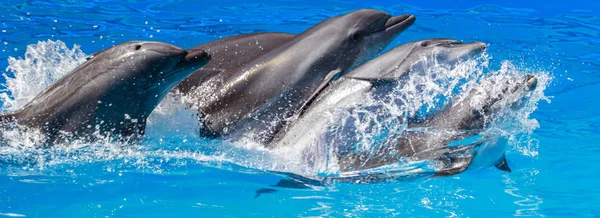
x: 275, y: 86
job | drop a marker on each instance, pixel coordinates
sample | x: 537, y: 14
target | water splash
x: 44, y: 63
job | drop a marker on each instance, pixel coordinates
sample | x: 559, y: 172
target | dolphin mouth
x: 477, y: 47
x: 192, y: 61
x: 472, y: 48
x: 398, y: 23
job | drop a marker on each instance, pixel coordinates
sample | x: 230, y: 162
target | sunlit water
x: 173, y: 172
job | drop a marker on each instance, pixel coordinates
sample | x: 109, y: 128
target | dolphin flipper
x: 502, y: 164
x: 454, y: 165
x: 284, y: 183
x: 330, y: 77
x: 292, y: 182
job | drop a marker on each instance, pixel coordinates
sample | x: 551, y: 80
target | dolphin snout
x: 196, y: 55
x: 479, y: 47
x: 474, y: 48
x: 194, y: 59
x: 399, y: 23
x: 531, y: 81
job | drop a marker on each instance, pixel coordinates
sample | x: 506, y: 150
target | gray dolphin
x: 228, y: 54
x: 112, y: 93
x: 461, y: 123
x: 462, y: 118
x: 264, y: 92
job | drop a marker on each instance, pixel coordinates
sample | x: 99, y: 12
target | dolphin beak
x: 468, y: 50
x: 479, y: 47
x: 196, y: 55
x: 191, y: 62
x: 474, y: 48
x: 400, y: 23
x: 531, y: 81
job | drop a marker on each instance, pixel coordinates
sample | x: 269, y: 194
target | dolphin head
x: 158, y: 65
x: 492, y: 95
x: 141, y: 73
x: 370, y: 31
x: 404, y: 58
x: 373, y: 30
x: 356, y: 36
x: 450, y: 50
x: 141, y: 61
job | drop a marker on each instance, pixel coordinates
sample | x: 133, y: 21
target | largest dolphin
x: 264, y: 92
x: 111, y: 94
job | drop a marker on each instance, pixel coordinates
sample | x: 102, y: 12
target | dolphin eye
x: 138, y: 47
x: 357, y: 35
x: 424, y: 44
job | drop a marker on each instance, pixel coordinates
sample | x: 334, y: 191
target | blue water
x: 172, y: 176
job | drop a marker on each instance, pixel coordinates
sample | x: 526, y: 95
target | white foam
x: 44, y: 63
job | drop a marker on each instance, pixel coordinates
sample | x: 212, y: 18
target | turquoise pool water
x: 173, y: 173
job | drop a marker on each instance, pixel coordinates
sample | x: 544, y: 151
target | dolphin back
x: 229, y: 54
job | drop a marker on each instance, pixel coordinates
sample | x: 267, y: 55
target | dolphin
x: 227, y: 54
x: 111, y: 94
x: 264, y: 92
x: 460, y: 123
x: 462, y: 118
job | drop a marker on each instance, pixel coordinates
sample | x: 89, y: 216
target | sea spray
x: 43, y: 64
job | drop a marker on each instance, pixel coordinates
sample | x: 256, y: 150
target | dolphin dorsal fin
x: 502, y: 164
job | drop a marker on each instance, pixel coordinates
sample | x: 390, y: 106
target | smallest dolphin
x: 111, y: 94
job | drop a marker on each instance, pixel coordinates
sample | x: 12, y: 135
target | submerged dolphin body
x: 377, y: 77
x: 262, y: 93
x: 112, y: 93
x: 227, y: 54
